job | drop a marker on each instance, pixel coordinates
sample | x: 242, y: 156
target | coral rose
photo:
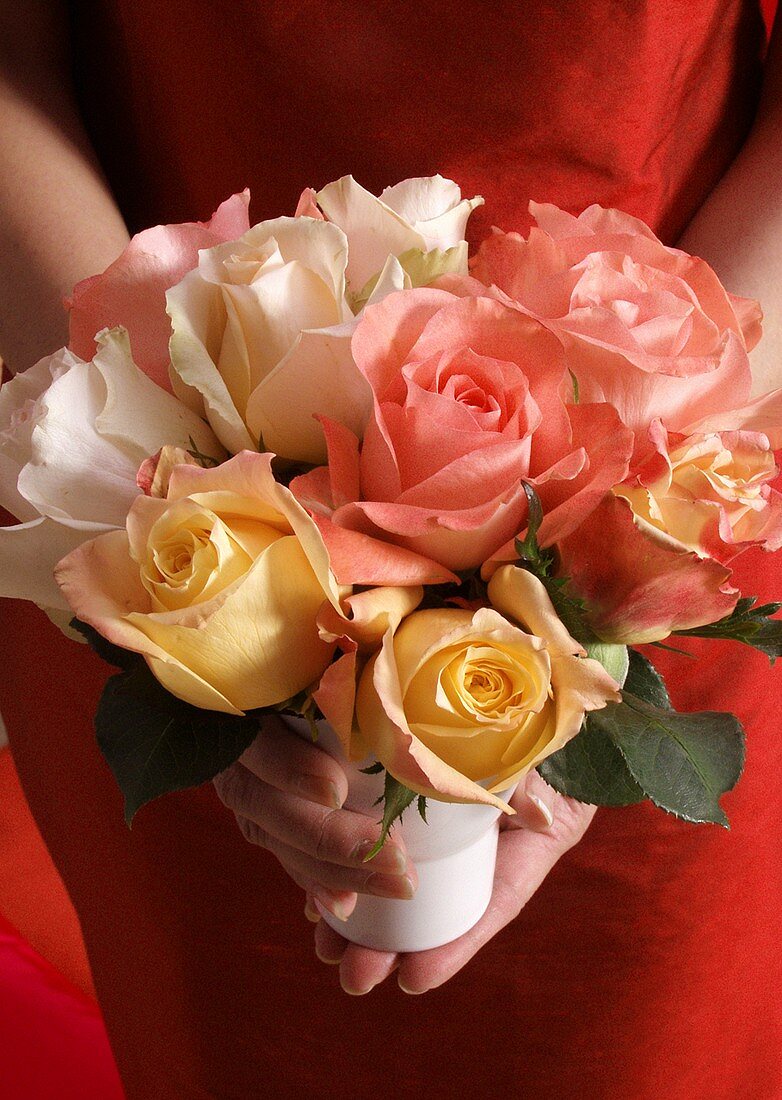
x: 218, y: 585
x: 647, y: 328
x: 470, y: 399
x: 459, y: 705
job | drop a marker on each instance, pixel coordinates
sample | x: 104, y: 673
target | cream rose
x: 412, y: 218
x: 261, y: 338
x: 459, y: 705
x: 72, y: 437
x: 218, y: 585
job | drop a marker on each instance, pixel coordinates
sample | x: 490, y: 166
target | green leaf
x: 422, y: 806
x: 396, y: 798
x: 155, y: 743
x: 752, y: 625
x: 682, y: 762
x: 590, y: 768
x: 112, y: 654
x: 644, y: 681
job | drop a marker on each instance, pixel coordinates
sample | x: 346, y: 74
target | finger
x: 361, y: 969
x: 310, y: 911
x: 312, y: 873
x: 524, y: 859
x: 286, y: 761
x: 340, y: 903
x: 329, y: 945
x: 330, y: 835
x: 532, y: 801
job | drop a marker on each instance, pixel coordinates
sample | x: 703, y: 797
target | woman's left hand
x: 546, y: 825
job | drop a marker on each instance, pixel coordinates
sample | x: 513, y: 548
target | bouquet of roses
x: 326, y: 468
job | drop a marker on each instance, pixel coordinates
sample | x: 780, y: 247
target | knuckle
x: 239, y: 790
x: 571, y: 821
x: 327, y: 845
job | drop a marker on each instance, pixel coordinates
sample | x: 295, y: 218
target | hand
x: 545, y: 827
x: 287, y: 796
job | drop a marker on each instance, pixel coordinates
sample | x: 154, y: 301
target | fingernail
x: 390, y: 857
x: 545, y: 812
x: 338, y: 908
x: 391, y: 886
x: 327, y: 961
x: 310, y: 912
x: 322, y: 791
x: 357, y: 992
x: 410, y: 992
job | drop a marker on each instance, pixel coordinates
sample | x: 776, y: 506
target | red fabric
x: 648, y: 964
x: 32, y: 896
x: 53, y: 1040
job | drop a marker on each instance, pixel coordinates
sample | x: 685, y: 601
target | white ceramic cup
x: 454, y: 852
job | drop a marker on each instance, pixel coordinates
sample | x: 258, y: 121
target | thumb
x: 533, y: 802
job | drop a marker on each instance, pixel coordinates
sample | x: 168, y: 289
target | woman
x: 645, y: 964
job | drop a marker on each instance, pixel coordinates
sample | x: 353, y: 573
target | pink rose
x: 647, y: 328
x: 470, y: 399
x: 132, y: 291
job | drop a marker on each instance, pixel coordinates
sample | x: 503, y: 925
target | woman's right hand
x: 287, y: 795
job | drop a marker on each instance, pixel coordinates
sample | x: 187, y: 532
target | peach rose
x: 647, y: 328
x: 218, y: 585
x: 132, y: 291
x: 459, y: 705
x: 711, y: 492
x: 470, y: 398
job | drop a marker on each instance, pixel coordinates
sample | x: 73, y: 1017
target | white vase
x: 454, y: 852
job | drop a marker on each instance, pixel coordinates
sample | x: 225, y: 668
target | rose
x: 710, y: 491
x: 218, y: 585
x: 459, y: 705
x: 647, y: 328
x: 412, y: 218
x: 132, y: 291
x: 72, y: 436
x: 470, y: 399
x: 261, y: 329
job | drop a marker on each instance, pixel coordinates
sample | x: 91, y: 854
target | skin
x: 60, y: 224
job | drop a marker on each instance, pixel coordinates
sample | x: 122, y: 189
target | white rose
x: 423, y: 215
x: 72, y: 437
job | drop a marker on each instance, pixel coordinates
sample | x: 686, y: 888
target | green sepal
x: 373, y: 769
x: 542, y: 563
x: 155, y: 743
x: 752, y: 625
x: 395, y: 798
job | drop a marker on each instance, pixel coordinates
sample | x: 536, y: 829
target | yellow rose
x: 218, y: 585
x: 458, y: 705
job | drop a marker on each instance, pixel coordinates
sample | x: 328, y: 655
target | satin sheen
x: 648, y: 965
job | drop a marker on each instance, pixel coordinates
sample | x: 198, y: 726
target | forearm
x: 58, y: 221
x: 739, y: 228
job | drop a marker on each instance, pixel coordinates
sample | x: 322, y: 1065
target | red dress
x: 648, y: 965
